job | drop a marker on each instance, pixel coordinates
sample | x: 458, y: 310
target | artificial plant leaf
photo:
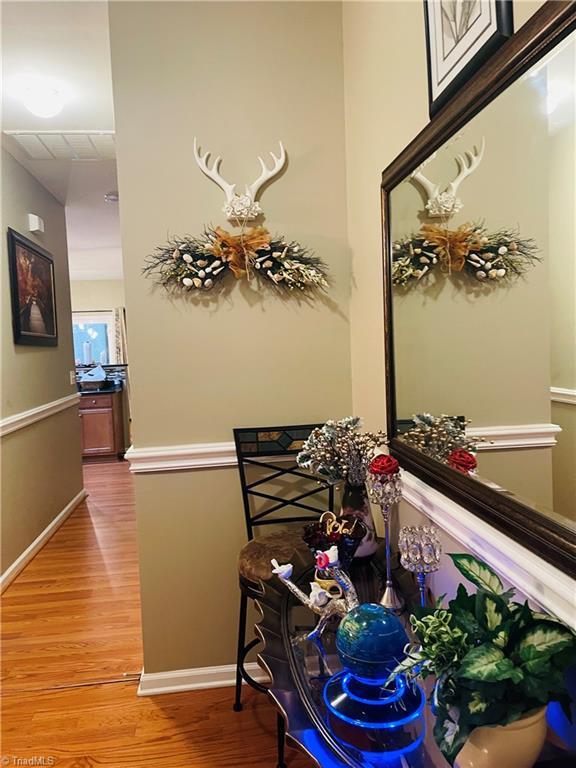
x: 508, y: 595
x: 477, y: 704
x: 501, y: 635
x: 565, y: 659
x: 450, y: 736
x: 439, y: 600
x: 487, y: 662
x: 538, y: 616
x: 521, y: 619
x: 463, y: 601
x: 408, y: 666
x: 466, y: 621
x: 491, y: 611
x: 539, y: 687
x: 478, y: 573
x: 544, y: 639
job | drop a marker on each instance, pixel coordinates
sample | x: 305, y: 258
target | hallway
x: 71, y: 658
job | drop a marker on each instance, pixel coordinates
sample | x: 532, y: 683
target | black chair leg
x: 281, y: 734
x: 240, y: 653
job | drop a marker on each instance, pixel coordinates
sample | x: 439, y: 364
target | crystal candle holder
x: 386, y: 490
x: 420, y: 552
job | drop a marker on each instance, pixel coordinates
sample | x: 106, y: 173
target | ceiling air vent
x: 71, y: 145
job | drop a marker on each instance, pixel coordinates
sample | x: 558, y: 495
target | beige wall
x: 41, y: 467
x: 244, y: 357
x: 96, y: 294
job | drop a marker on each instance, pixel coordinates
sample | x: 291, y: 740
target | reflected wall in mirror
x: 472, y: 339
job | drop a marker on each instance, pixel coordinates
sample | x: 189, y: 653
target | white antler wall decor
x: 447, y: 203
x: 243, y: 207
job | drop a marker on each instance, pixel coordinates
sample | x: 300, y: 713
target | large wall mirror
x: 480, y: 248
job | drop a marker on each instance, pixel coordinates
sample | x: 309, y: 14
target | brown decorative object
x: 32, y: 292
x: 546, y: 537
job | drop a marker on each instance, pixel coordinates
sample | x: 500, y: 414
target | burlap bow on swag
x: 198, y: 263
x: 452, y: 246
x: 240, y: 251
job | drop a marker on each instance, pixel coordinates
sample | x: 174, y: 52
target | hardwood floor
x: 71, y: 657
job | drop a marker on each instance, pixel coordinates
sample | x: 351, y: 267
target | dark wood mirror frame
x: 544, y: 536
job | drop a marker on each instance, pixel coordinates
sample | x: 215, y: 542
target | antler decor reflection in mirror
x: 447, y: 203
x: 480, y: 302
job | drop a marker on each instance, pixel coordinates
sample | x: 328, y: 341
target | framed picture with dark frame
x: 32, y: 292
x: 460, y: 36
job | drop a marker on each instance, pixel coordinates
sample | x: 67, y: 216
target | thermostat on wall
x: 35, y: 223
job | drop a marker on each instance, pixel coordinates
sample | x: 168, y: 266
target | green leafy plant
x: 494, y: 660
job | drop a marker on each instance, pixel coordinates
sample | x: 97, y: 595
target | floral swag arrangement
x: 471, y: 249
x: 443, y: 438
x: 200, y: 263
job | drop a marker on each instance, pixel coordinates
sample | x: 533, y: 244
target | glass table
x: 299, y: 673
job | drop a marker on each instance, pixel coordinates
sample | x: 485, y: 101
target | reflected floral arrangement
x: 491, y: 257
x: 443, y: 438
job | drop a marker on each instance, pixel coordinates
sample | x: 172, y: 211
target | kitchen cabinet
x: 102, y: 425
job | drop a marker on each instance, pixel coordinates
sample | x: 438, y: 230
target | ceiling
x: 70, y: 42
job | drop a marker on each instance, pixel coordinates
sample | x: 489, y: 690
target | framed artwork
x: 32, y: 292
x: 460, y: 36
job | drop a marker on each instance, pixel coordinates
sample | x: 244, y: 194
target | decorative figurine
x: 385, y: 489
x: 320, y: 601
x: 420, y: 552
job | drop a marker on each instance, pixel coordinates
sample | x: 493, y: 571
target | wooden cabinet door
x: 97, y: 431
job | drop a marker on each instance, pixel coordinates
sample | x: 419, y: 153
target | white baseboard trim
x: 25, y: 418
x: 503, y: 437
x: 563, y: 395
x: 21, y: 562
x: 156, y: 683
x: 540, y: 581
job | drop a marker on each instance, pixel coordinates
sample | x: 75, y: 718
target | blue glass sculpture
x: 364, y: 711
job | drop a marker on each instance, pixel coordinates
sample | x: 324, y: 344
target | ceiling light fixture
x: 42, y: 95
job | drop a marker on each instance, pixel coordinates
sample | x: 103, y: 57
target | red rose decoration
x: 322, y: 560
x: 384, y: 465
x: 462, y: 461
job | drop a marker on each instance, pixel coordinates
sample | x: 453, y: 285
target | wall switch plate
x: 72, y: 378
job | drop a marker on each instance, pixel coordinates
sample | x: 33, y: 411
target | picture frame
x: 460, y: 36
x: 32, y: 292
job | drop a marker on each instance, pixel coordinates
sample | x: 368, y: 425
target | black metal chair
x: 279, y: 485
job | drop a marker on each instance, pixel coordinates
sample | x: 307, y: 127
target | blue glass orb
x: 370, y: 641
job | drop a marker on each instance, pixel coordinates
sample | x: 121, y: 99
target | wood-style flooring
x: 71, y: 657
